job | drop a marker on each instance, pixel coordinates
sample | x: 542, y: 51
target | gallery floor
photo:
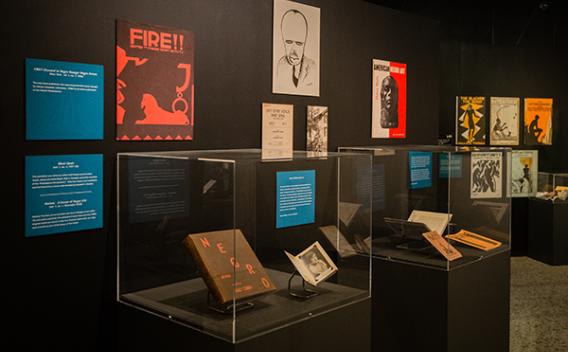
x: 539, y: 306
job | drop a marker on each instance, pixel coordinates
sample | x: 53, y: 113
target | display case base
x: 548, y: 227
x: 519, y: 227
x: 418, y: 308
x: 141, y: 330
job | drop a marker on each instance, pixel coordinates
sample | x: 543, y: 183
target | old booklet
x: 474, y: 240
x: 442, y: 246
x: 228, y: 265
x: 313, y: 264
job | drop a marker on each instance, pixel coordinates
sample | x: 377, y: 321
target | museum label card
x: 295, y: 198
x: 420, y: 165
x: 277, y: 131
x: 64, y: 100
x: 64, y: 193
x: 442, y: 246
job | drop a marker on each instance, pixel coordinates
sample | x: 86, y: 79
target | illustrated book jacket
x: 228, y: 265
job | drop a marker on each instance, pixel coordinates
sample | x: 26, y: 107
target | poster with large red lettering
x: 154, y: 83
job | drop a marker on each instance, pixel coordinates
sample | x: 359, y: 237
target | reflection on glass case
x: 553, y: 186
x: 439, y: 206
x: 234, y: 246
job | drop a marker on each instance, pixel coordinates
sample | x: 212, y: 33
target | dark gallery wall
x: 499, y: 70
x: 64, y: 284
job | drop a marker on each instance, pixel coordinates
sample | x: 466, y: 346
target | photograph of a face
x: 296, y: 49
x: 313, y: 264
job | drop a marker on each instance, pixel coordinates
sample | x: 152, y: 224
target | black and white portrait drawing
x: 486, y: 175
x: 296, y: 49
x: 316, y: 126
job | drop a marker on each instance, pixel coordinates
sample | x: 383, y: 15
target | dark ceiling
x: 523, y: 24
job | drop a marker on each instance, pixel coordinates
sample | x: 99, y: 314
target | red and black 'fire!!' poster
x: 154, y: 83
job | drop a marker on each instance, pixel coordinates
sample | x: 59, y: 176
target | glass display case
x: 552, y: 186
x: 439, y: 206
x: 235, y: 246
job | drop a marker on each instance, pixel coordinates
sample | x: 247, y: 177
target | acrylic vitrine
x: 235, y: 246
x: 552, y: 186
x: 462, y: 194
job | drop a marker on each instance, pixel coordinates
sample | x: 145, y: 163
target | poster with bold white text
x: 389, y: 100
x: 295, y: 49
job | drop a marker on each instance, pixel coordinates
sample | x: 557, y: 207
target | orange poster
x: 538, y: 121
x: 154, y: 83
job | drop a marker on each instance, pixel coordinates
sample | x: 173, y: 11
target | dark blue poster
x: 64, y: 100
x: 420, y: 164
x: 64, y: 193
x: 295, y: 198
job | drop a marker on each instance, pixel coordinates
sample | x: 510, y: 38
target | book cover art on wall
x: 316, y: 129
x: 470, y: 120
x: 504, y: 121
x: 229, y: 266
x: 295, y: 49
x: 538, y: 121
x: 486, y: 175
x: 524, y: 173
x: 389, y: 100
x: 154, y: 83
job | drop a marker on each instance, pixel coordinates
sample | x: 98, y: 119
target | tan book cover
x: 474, y: 240
x: 442, y: 246
x: 228, y: 265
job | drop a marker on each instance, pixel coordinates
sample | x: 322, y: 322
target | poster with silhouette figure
x: 504, y: 121
x: 524, y: 173
x: 470, y: 120
x: 538, y: 121
x: 486, y: 175
x: 389, y: 100
x: 154, y: 83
